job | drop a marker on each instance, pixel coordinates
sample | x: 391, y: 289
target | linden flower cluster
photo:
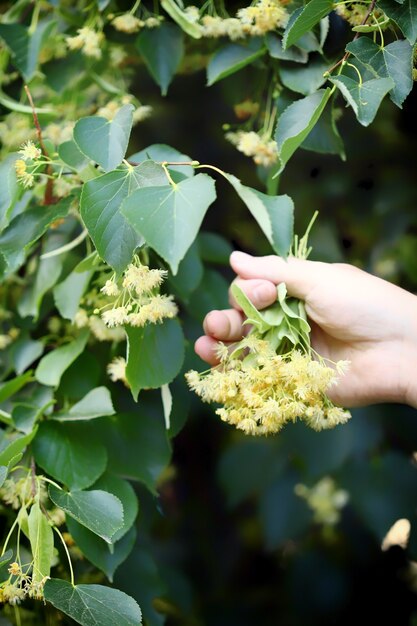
x: 263, y: 391
x: 88, y: 41
x: 28, y: 152
x: 129, y: 23
x: 136, y: 300
x: 356, y: 12
x: 23, y: 586
x: 262, y: 149
x: 256, y: 20
x: 324, y: 499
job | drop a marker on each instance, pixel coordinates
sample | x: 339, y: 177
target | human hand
x: 354, y: 316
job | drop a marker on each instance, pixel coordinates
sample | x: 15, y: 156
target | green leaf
x: 70, y: 153
x: 364, y: 98
x: 67, y: 295
x: 97, y: 403
x: 10, y: 387
x: 404, y: 15
x: 47, y: 274
x: 105, y: 141
x: 296, y: 122
x: 274, y: 214
x: 90, y: 605
x: 9, y: 189
x: 24, y: 352
x: 104, y: 556
x: 251, y: 312
x: 305, y: 79
x: 100, y: 203
x: 325, y: 137
x: 70, y: 453
x: 214, y: 248
x: 14, y: 105
x: 304, y: 19
x: 276, y: 51
x: 181, y: 18
x: 211, y: 294
x: 123, y: 490
x: 25, y: 416
x: 230, y: 59
x: 24, y: 230
x: 55, y: 363
x: 162, y: 152
x: 25, y: 46
x: 5, y: 558
x: 99, y: 511
x: 169, y: 217
x: 393, y: 61
x: 137, y: 445
x: 162, y: 50
x: 9, y: 450
x: 41, y: 538
x: 155, y: 355
x: 189, y: 275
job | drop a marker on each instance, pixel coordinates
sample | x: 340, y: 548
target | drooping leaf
x: 100, y: 203
x: 404, y: 15
x: 230, y: 59
x: 104, y: 556
x: 181, y: 18
x: 105, y: 141
x: 394, y: 61
x: 99, y: 511
x: 325, y: 137
x: 24, y: 230
x: 25, y: 46
x: 70, y: 453
x: 155, y: 355
x: 53, y: 365
x: 304, y: 79
x: 123, y: 490
x: 276, y: 51
x: 10, y: 449
x: 41, y: 538
x: 364, y: 98
x: 303, y: 20
x: 67, y: 294
x: 169, y: 217
x: 96, y: 403
x: 137, y: 445
x: 296, y: 122
x: 162, y: 50
x: 274, y: 214
x: 9, y: 190
x: 93, y: 605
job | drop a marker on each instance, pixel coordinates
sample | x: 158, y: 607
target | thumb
x: 299, y: 275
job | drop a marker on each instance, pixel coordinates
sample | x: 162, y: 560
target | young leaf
x: 100, y: 203
x: 90, y: 605
x: 162, y: 50
x: 191, y: 28
x: 404, y: 15
x: 393, y: 61
x: 55, y: 363
x: 155, y: 355
x: 104, y: 556
x: 296, y: 122
x: 25, y: 46
x: 24, y: 230
x: 250, y: 311
x: 41, y: 538
x: 10, y: 449
x: 105, y: 141
x: 230, y: 59
x: 303, y: 20
x: 169, y: 217
x: 97, y: 403
x: 99, y: 511
x: 364, y: 98
x: 274, y: 214
x: 70, y: 454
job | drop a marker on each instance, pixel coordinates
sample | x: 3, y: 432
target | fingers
x: 224, y: 325
x: 260, y: 292
x: 298, y: 274
x: 205, y: 347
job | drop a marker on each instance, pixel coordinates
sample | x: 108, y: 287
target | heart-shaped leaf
x: 365, y: 97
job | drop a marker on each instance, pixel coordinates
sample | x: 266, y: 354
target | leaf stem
x: 68, y: 246
x: 67, y: 553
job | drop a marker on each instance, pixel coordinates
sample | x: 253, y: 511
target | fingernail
x: 263, y: 295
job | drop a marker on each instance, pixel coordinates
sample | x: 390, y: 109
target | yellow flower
x: 127, y: 23
x: 88, y: 41
x: 117, y: 369
x: 29, y: 151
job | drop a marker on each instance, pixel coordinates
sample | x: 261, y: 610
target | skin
x: 354, y: 316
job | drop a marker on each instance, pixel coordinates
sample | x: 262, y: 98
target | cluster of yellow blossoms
x: 28, y: 152
x: 261, y: 148
x: 87, y: 40
x: 256, y: 20
x: 263, y: 390
x: 129, y: 23
x: 21, y: 585
x: 325, y: 499
x: 356, y: 12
